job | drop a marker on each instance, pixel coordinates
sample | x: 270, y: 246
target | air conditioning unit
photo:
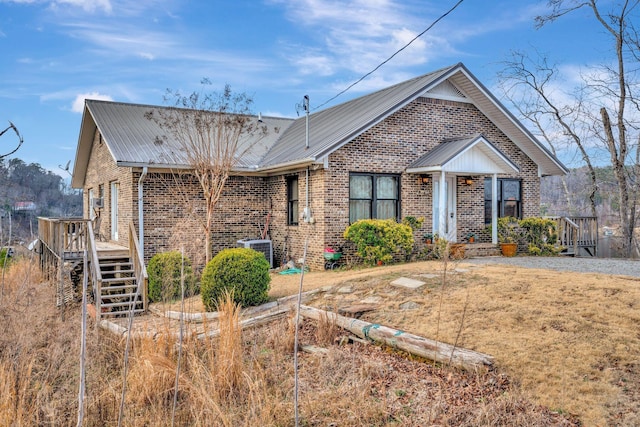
x: 97, y: 203
x: 263, y: 246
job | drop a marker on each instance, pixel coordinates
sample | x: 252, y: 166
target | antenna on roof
x: 304, y: 105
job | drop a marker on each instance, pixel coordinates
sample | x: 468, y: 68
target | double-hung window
x: 509, y: 198
x: 292, y: 200
x: 373, y: 196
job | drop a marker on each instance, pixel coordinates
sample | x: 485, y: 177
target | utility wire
x: 391, y: 57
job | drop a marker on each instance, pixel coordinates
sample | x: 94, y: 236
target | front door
x: 444, y: 221
x: 114, y: 211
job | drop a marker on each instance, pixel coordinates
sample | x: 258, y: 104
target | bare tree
x: 605, y: 109
x: 529, y: 84
x: 20, y: 140
x: 213, y: 130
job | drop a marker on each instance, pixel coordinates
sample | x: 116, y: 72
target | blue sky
x: 54, y: 54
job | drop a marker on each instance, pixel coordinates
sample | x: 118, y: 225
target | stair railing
x: 139, y: 268
x: 96, y: 274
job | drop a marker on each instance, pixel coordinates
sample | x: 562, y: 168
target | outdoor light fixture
x: 423, y: 179
x: 468, y: 180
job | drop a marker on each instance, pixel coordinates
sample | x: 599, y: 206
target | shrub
x: 242, y: 271
x: 164, y: 276
x: 541, y: 235
x: 379, y: 239
x: 4, y: 257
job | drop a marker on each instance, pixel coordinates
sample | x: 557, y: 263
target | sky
x: 56, y: 53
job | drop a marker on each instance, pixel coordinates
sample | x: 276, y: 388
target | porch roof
x: 467, y: 155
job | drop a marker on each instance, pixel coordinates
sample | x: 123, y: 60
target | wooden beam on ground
x: 245, y: 312
x: 414, y: 344
x: 252, y: 322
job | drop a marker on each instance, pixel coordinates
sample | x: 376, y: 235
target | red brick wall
x: 403, y: 137
x: 102, y: 170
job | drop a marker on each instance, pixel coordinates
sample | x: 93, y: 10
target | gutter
x: 141, y: 211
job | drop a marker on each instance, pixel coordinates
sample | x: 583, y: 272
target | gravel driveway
x: 615, y: 266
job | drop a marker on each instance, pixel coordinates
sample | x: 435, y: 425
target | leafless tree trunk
x: 604, y: 98
x: 212, y: 132
x: 527, y: 84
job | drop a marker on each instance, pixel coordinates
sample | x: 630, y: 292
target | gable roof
x: 130, y: 136
x: 330, y: 129
x: 472, y: 155
x: 134, y: 140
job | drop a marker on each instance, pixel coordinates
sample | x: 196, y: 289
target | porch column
x: 442, y: 205
x: 494, y: 209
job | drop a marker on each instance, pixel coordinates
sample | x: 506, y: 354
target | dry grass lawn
x: 572, y: 340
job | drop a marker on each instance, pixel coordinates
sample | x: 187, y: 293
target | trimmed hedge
x: 242, y: 271
x: 164, y: 276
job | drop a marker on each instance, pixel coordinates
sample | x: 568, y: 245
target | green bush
x: 164, y: 276
x: 541, y: 235
x: 242, y: 271
x: 379, y: 239
x: 5, y: 257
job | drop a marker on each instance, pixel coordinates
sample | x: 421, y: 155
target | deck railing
x: 67, y: 239
x: 94, y: 270
x: 577, y: 232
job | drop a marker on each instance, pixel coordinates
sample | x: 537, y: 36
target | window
x: 373, y: 196
x: 292, y: 200
x: 509, y: 198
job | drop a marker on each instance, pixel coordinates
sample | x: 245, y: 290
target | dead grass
x: 570, y: 342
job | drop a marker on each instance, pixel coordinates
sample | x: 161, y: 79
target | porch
x: 71, y: 257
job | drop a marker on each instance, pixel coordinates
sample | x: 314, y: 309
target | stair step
x: 118, y: 279
x: 111, y: 272
x: 121, y: 304
x: 115, y: 264
x: 118, y: 288
x: 120, y: 313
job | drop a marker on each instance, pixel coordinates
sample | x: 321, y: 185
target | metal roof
x: 330, y: 129
x: 133, y: 139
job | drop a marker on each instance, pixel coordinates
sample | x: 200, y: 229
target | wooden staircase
x: 118, y: 291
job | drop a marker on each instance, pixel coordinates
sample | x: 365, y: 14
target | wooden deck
x: 70, y: 254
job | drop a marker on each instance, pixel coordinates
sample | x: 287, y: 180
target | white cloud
x: 78, y: 104
x: 87, y: 5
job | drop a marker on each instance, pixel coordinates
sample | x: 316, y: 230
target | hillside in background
x: 571, y: 197
x: 28, y: 191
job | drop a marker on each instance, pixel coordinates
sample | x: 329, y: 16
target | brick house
x: 438, y: 146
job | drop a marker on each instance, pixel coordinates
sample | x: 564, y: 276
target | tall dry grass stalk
x: 228, y: 357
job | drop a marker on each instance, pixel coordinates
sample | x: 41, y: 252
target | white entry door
x: 114, y: 210
x: 444, y: 221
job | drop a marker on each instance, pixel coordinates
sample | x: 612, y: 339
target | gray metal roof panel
x: 331, y: 128
x: 133, y: 138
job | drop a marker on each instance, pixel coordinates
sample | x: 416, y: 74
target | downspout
x: 141, y: 211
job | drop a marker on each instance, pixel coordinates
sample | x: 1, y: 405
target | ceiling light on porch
x: 468, y: 180
x: 424, y: 179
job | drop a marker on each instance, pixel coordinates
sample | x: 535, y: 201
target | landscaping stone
x: 408, y: 283
x: 409, y: 305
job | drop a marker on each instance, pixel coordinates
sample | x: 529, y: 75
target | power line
x: 391, y: 57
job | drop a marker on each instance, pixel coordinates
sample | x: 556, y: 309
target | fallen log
x: 414, y: 344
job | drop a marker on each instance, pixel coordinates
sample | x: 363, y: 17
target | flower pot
x: 509, y: 249
x: 428, y: 241
x: 472, y: 239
